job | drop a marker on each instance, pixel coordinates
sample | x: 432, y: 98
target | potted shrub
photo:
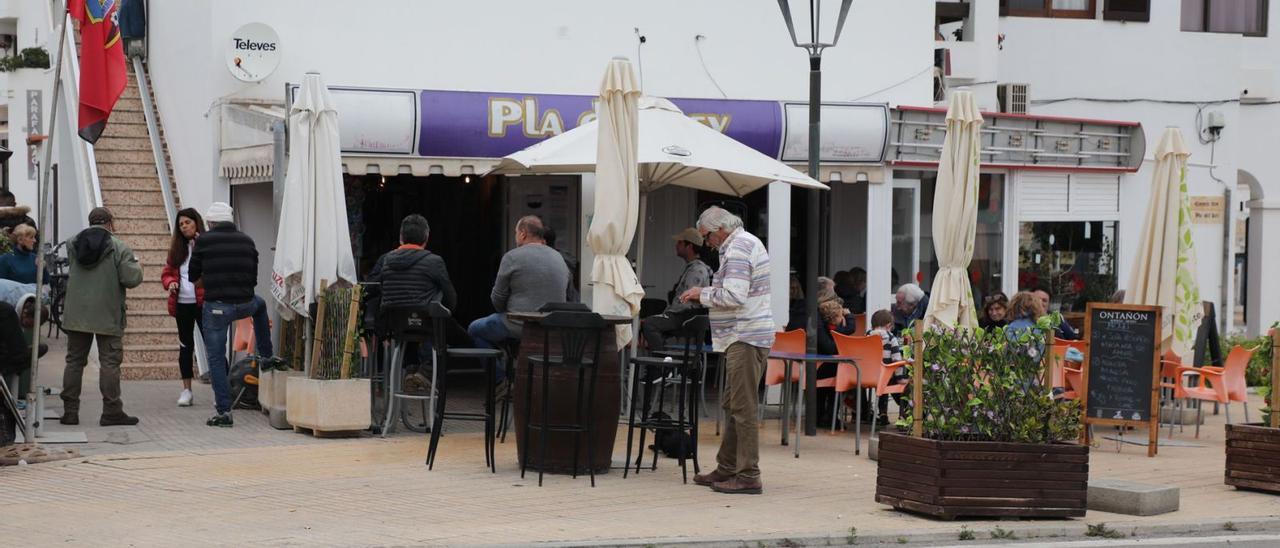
x: 994, y: 441
x: 1253, y: 450
x: 328, y: 400
x: 37, y: 58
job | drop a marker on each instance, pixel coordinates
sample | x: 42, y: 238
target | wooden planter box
x: 1253, y: 457
x: 949, y: 479
x: 328, y: 406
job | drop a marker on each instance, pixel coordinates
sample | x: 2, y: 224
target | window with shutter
x: 1127, y: 10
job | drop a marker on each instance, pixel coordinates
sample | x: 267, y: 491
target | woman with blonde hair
x: 19, y: 264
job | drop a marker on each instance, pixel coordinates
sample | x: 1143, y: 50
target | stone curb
x: 1071, y: 530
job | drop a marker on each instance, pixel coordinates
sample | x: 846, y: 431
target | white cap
x: 219, y: 212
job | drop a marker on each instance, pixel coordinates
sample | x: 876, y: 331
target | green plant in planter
x: 988, y: 385
x: 27, y: 58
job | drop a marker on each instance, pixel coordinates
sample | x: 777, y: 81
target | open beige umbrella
x: 616, y: 288
x: 955, y: 215
x: 1164, y: 269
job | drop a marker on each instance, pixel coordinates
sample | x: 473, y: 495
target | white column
x: 879, y: 242
x: 779, y: 237
x: 1264, y: 267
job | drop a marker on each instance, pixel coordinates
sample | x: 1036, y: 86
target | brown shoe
x: 739, y: 486
x: 70, y: 419
x: 710, y: 478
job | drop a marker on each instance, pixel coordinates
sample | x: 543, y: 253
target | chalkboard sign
x: 1122, y: 372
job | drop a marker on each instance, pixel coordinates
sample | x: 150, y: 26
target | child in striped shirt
x: 882, y: 325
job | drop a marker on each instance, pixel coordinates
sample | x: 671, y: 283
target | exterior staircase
x: 131, y: 189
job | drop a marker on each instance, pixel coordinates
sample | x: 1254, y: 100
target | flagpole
x: 35, y: 400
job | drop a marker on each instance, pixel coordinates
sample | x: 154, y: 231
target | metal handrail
x: 157, y: 148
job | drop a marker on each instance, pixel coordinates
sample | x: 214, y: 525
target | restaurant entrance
x: 471, y: 220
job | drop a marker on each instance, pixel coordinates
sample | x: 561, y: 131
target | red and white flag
x: 102, y: 71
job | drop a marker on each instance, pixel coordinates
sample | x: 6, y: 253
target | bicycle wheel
x: 414, y: 416
x: 55, y: 310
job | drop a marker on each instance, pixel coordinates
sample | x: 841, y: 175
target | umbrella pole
x: 635, y: 321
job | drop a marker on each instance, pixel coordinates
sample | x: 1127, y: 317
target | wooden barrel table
x: 563, y: 394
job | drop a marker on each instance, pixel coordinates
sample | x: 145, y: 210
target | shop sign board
x: 851, y: 133
x: 473, y: 124
x: 35, y: 125
x: 1207, y: 210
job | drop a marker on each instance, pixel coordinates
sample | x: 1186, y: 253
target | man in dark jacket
x: 225, y: 261
x: 410, y: 277
x: 102, y: 268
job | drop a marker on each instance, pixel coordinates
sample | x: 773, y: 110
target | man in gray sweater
x: 531, y: 275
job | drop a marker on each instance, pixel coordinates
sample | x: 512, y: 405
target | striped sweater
x: 738, y: 298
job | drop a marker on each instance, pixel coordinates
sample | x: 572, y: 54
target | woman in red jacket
x: 185, y: 299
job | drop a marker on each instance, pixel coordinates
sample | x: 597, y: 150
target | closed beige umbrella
x: 616, y: 288
x: 955, y: 215
x: 1164, y: 269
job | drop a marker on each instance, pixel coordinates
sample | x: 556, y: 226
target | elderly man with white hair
x: 910, y: 305
x: 742, y: 327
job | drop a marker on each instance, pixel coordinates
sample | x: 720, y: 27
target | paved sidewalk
x: 179, y: 482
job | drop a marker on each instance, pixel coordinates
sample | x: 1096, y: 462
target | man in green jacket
x: 102, y: 268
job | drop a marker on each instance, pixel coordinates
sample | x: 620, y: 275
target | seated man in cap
x: 102, y: 268
x: 696, y: 273
x: 225, y: 261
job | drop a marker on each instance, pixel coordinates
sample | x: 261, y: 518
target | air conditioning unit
x: 1013, y: 98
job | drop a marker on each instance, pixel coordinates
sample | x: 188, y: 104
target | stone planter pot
x: 273, y: 395
x: 328, y: 406
x: 1253, y: 457
x: 950, y: 479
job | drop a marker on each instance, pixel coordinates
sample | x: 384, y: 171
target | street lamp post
x: 824, y: 26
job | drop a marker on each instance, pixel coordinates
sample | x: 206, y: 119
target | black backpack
x: 243, y: 379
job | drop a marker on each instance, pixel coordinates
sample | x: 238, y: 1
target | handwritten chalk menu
x: 1122, y: 373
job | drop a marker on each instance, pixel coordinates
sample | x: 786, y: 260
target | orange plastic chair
x: 785, y: 341
x: 1219, y: 384
x: 244, y: 339
x: 1169, y: 364
x: 868, y: 351
x: 1073, y: 383
x: 859, y: 324
x: 1058, y: 373
x: 775, y: 371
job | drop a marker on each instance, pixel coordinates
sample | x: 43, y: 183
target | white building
x: 1159, y: 67
x: 415, y: 144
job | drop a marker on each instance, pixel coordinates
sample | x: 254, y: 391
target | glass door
x: 906, y: 232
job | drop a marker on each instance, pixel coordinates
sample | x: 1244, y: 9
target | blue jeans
x: 217, y: 319
x: 491, y: 332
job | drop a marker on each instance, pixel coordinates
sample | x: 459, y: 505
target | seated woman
x: 994, y: 312
x: 19, y: 264
x: 834, y: 318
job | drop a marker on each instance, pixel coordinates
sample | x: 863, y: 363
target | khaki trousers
x: 740, y: 446
x: 110, y: 354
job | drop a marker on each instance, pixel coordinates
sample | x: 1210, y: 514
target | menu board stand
x: 1122, y: 370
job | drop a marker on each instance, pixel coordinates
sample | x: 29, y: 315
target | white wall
x: 1155, y: 74
x: 549, y: 47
